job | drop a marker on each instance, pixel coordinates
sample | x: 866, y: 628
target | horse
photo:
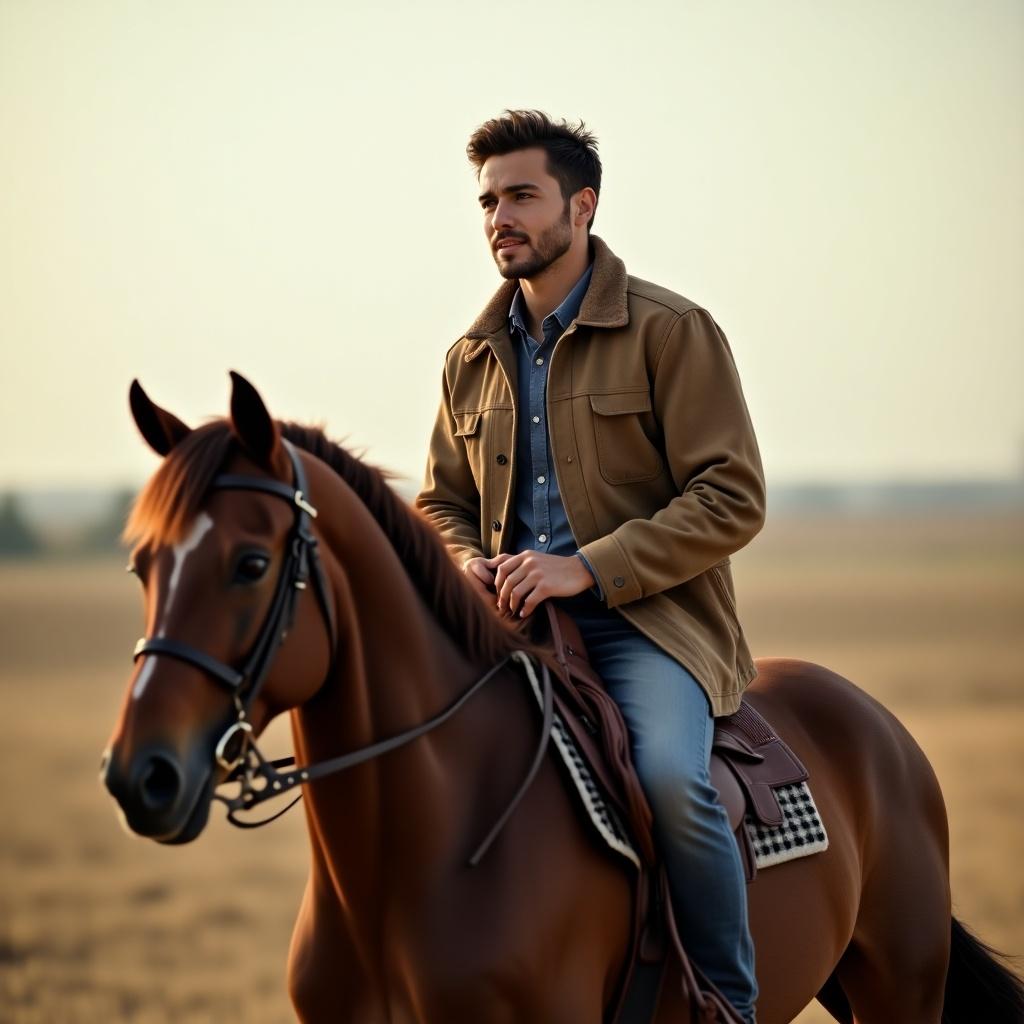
x: 282, y: 573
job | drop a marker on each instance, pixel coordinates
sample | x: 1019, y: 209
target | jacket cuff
x: 596, y: 588
x: 611, y: 569
x: 460, y: 554
x: 463, y: 555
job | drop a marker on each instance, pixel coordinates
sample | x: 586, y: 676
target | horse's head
x: 224, y: 551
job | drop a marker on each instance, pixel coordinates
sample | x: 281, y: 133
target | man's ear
x: 251, y: 424
x: 161, y: 429
x: 584, y: 205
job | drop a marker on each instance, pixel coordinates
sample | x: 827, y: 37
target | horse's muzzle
x: 154, y: 798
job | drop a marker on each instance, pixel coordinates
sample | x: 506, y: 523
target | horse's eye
x: 251, y: 568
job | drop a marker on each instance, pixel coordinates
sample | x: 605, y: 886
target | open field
x: 927, y: 615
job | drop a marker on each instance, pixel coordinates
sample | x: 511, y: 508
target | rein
x: 236, y: 750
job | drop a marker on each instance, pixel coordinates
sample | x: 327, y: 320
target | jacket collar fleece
x: 604, y: 305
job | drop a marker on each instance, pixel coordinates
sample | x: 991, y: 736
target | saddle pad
x: 800, y: 834
x: 601, y: 816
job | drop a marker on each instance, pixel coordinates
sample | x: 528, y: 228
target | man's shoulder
x: 647, y: 297
x: 463, y: 346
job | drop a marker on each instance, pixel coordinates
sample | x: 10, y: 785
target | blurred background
x: 282, y: 189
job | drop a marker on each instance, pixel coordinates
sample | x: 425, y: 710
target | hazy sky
x: 281, y: 188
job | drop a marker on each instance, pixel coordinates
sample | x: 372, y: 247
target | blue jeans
x: 671, y: 726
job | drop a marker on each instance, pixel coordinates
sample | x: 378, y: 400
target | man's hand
x: 478, y: 572
x: 522, y: 581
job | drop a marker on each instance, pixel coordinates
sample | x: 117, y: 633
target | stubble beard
x: 554, y: 242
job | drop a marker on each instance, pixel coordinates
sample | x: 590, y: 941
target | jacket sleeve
x: 449, y: 498
x: 713, y: 459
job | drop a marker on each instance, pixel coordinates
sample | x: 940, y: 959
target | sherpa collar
x: 604, y: 304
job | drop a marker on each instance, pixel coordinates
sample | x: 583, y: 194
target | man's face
x: 526, y: 220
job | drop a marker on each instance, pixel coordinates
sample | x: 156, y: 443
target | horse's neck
x: 396, y: 668
x: 395, y: 664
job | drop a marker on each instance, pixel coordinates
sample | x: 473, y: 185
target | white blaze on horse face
x: 182, y: 550
x: 202, y: 525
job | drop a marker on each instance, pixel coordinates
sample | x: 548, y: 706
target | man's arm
x: 449, y: 498
x: 714, y: 460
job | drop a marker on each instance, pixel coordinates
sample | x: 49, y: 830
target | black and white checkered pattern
x: 603, y: 818
x: 800, y: 834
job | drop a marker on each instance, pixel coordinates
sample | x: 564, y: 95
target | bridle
x: 236, y: 750
x: 244, y: 684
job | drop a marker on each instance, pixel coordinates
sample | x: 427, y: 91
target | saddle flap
x: 596, y: 724
x: 730, y: 793
x: 760, y: 760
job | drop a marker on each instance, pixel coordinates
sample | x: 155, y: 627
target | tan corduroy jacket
x: 655, y: 455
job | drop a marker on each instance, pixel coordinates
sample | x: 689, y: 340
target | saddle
x: 749, y: 760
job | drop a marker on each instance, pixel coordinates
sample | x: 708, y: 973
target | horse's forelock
x: 171, y: 499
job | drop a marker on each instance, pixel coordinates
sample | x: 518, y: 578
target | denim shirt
x: 541, y: 522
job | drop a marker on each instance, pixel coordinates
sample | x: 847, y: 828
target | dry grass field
x: 95, y: 926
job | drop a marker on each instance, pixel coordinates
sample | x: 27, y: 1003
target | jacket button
x: 501, y: 460
x: 619, y: 581
x: 496, y: 525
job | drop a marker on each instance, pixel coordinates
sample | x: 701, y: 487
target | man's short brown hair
x: 572, y: 149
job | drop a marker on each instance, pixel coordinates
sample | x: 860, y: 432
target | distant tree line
x: 20, y: 537
x: 17, y: 537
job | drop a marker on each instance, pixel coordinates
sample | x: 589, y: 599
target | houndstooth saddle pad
x: 801, y: 833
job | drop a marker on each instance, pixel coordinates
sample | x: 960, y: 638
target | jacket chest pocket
x: 624, y: 452
x: 467, y: 424
x: 488, y: 437
x: 470, y: 427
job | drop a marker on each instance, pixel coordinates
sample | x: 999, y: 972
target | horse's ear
x: 161, y: 429
x: 251, y: 424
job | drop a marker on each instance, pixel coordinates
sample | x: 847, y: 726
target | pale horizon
x: 284, y: 191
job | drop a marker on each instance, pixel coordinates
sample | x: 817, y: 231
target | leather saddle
x: 749, y: 761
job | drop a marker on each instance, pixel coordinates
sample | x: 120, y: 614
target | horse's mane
x: 172, y: 498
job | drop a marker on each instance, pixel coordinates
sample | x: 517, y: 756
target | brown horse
x: 395, y: 924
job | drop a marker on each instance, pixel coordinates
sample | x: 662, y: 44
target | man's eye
x: 522, y: 195
x: 251, y: 568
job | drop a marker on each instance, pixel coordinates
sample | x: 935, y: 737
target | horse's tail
x: 979, y: 986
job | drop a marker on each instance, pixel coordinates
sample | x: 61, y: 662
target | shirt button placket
x: 540, y: 511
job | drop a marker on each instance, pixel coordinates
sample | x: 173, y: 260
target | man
x: 593, y: 446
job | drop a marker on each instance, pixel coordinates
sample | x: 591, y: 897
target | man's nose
x: 501, y: 216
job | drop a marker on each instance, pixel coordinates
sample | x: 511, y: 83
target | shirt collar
x: 564, y: 314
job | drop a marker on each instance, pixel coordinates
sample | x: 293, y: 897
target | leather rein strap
x: 247, y: 764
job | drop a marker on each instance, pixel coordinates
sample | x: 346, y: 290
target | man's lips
x: 509, y: 243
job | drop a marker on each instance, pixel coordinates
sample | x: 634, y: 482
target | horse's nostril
x: 160, y: 783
